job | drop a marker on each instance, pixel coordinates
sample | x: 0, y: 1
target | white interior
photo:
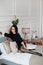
x: 30, y: 14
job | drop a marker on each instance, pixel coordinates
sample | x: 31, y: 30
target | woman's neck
x: 14, y: 33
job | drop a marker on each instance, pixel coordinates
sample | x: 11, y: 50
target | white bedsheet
x: 19, y: 58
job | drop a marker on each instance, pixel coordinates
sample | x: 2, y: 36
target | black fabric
x: 15, y: 37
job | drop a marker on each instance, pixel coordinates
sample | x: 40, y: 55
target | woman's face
x: 13, y: 30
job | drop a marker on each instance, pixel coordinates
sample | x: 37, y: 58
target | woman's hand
x: 23, y: 45
x: 9, y: 39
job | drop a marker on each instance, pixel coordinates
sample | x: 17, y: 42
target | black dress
x: 15, y: 37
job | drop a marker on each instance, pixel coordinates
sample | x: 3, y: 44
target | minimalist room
x: 21, y: 32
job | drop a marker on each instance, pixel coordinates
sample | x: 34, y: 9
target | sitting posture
x: 15, y: 36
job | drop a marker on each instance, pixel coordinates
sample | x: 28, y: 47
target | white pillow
x: 7, y: 47
x: 2, y: 48
x: 13, y: 47
x: 31, y: 46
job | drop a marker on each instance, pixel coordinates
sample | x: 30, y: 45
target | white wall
x: 6, y: 13
x: 42, y: 17
x: 6, y: 10
x: 28, y: 12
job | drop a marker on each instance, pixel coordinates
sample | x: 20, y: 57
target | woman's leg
x: 24, y: 50
x: 30, y: 51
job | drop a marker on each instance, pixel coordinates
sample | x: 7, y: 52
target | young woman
x: 15, y: 36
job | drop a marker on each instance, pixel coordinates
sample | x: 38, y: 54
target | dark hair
x: 16, y: 29
x: 0, y: 33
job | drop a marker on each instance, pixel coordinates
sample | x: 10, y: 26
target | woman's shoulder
x: 18, y: 34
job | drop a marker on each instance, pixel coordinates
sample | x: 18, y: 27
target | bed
x: 25, y: 58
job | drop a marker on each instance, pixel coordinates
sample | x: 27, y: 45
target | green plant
x: 15, y: 22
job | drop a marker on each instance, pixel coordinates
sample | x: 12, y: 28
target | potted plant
x: 15, y: 21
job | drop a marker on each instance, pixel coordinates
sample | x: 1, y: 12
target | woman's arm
x: 7, y: 35
x: 9, y: 39
x: 24, y: 46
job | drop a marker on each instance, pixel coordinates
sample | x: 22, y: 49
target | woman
x: 15, y: 36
